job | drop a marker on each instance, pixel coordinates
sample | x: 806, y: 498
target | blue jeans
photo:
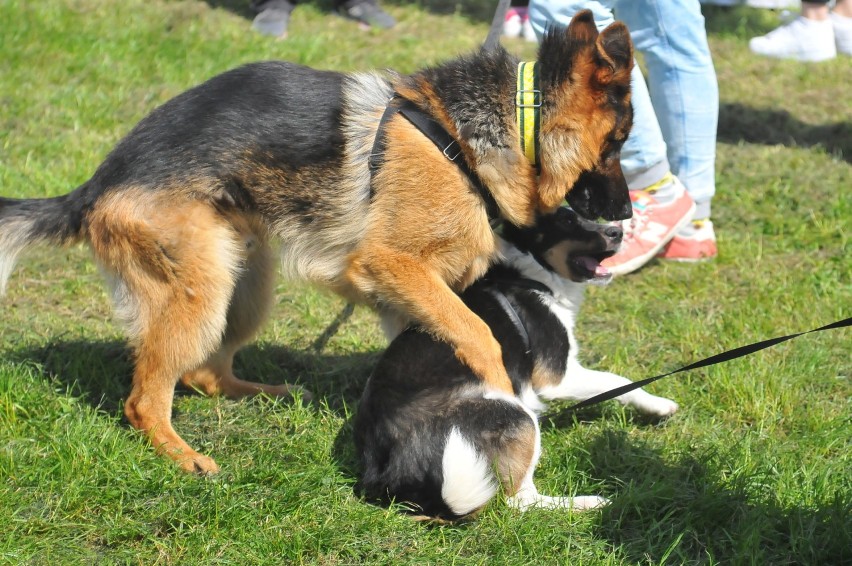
x: 674, y: 125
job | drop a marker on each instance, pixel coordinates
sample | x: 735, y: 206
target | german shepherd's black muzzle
x: 602, y: 193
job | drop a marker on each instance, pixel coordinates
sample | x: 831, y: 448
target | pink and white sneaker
x: 694, y: 243
x: 652, y: 226
x: 517, y: 24
x: 513, y: 25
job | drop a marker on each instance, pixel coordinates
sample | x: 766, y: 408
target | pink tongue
x: 593, y: 265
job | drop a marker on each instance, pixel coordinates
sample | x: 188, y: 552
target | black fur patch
x: 409, y: 407
x: 473, y: 90
x: 256, y: 114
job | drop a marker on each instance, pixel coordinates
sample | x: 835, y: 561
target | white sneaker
x: 769, y: 4
x: 842, y: 33
x: 802, y: 39
x: 513, y: 23
x: 774, y: 4
x: 528, y: 32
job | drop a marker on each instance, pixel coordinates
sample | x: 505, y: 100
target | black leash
x: 712, y: 360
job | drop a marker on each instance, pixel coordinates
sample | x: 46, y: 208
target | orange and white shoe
x: 652, y: 226
x: 696, y: 242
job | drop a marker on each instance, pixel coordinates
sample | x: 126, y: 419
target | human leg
x: 661, y: 206
x: 643, y: 156
x: 685, y: 94
x: 841, y: 21
x: 368, y: 13
x: 683, y: 86
x: 272, y: 17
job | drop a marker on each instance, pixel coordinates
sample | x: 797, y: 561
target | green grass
x: 755, y: 469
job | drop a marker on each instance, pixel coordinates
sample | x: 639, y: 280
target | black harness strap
x: 510, y: 311
x: 495, y: 288
x: 448, y: 145
x: 377, y: 155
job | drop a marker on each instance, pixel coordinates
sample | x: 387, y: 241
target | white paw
x: 539, y: 501
x: 654, y: 406
x: 586, y: 502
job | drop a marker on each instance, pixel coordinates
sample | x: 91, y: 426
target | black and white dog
x: 431, y: 435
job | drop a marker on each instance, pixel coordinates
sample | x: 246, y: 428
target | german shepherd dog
x: 187, y: 212
x: 432, y: 437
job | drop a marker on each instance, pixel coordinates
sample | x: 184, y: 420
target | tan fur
x: 570, y: 143
x: 556, y: 255
x: 192, y: 286
x: 421, y: 246
x: 543, y: 377
x: 506, y: 172
x: 515, y: 458
x: 571, y: 139
x: 191, y: 269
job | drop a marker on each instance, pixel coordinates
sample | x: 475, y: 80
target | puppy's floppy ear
x: 614, y: 51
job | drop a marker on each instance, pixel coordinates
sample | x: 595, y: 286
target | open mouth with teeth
x: 585, y: 266
x: 569, y: 245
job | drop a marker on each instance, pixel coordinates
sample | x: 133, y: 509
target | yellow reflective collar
x: 528, y: 109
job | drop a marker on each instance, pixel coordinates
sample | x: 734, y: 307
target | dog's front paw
x: 654, y: 406
x: 586, y: 502
x: 525, y: 502
x: 196, y: 463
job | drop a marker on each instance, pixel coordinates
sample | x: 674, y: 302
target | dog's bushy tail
x: 469, y: 481
x: 26, y: 222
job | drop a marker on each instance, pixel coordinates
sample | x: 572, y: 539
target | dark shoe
x: 272, y: 22
x: 370, y: 15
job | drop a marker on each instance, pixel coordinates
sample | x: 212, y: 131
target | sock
x: 693, y: 227
x: 663, y: 190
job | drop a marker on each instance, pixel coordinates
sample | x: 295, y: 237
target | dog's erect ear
x: 614, y: 51
x: 581, y: 30
x: 560, y: 48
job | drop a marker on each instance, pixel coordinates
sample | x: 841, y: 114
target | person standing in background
x: 669, y: 157
x: 273, y: 16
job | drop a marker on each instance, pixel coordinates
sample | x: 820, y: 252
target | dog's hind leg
x: 528, y: 498
x: 250, y: 304
x: 173, y: 264
x: 516, y: 451
x: 521, y: 490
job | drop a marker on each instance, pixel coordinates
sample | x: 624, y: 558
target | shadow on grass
x: 738, y: 21
x: 687, y: 511
x: 100, y: 372
x: 682, y: 513
x: 740, y: 123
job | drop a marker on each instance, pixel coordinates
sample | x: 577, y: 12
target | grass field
x: 755, y: 469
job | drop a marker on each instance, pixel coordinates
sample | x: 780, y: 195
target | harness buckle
x: 447, y: 149
x: 519, y: 97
